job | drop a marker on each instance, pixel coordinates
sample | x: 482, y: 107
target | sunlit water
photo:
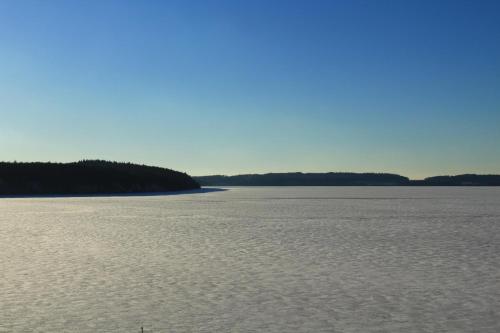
x: 310, y: 259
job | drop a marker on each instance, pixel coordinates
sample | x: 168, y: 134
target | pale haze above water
x: 274, y: 259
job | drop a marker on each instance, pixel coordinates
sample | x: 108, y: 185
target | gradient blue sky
x: 227, y: 87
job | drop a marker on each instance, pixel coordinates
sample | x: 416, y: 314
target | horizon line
x: 253, y: 173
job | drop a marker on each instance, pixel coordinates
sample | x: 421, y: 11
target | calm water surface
x: 309, y: 259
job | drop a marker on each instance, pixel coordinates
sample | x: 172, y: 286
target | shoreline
x: 126, y: 194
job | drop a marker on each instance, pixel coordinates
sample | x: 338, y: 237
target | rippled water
x: 310, y: 259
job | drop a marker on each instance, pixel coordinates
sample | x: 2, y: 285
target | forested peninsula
x: 345, y: 179
x: 89, y: 177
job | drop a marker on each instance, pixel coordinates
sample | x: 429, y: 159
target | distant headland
x: 345, y: 179
x: 89, y: 177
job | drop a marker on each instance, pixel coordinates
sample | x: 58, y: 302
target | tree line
x: 89, y: 177
x: 345, y: 179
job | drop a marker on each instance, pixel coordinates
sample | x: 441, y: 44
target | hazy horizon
x: 266, y: 172
x: 229, y: 87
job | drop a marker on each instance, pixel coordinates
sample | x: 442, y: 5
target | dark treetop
x: 345, y: 179
x: 305, y: 179
x: 89, y: 177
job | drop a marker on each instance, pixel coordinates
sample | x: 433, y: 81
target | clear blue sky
x: 227, y: 87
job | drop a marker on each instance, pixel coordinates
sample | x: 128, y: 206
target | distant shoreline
x: 98, y: 178
x: 345, y: 179
x: 111, y: 195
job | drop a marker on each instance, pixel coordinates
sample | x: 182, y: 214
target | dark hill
x: 345, y: 179
x: 306, y: 179
x: 462, y: 180
x: 89, y: 177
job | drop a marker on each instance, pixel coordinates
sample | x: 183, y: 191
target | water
x: 337, y: 259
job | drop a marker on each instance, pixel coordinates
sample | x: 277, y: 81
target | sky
x: 230, y: 87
